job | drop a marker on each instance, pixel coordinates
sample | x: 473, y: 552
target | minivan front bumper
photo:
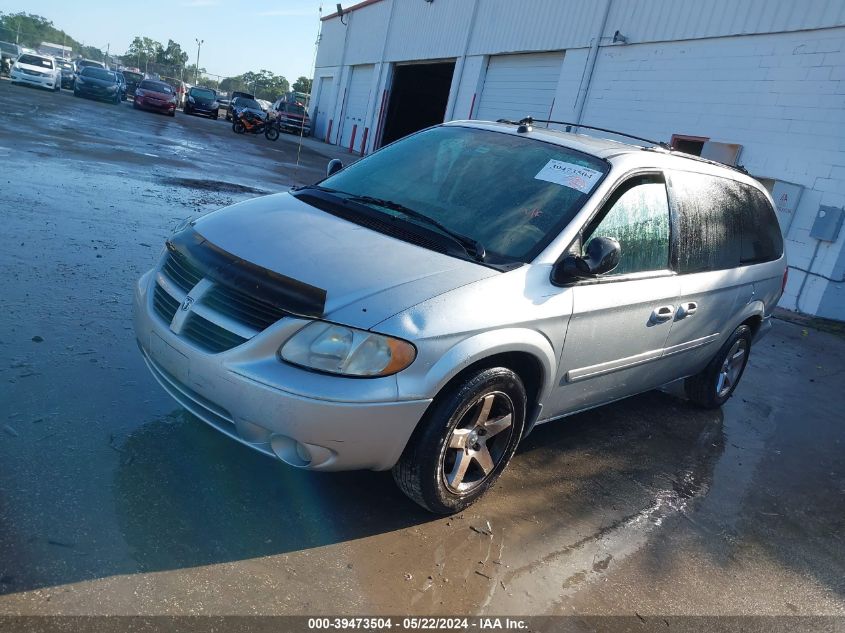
x: 275, y: 408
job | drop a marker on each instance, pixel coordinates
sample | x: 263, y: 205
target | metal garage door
x: 321, y: 114
x: 357, y: 100
x: 520, y: 85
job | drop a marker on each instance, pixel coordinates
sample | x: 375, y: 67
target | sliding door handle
x: 663, y: 313
x: 687, y: 309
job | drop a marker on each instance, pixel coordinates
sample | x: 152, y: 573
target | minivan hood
x: 368, y: 276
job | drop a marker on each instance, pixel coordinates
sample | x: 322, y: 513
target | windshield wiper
x: 472, y: 247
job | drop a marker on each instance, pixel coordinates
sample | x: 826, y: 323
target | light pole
x: 197, y: 67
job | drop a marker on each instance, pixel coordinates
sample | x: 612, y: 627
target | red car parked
x: 155, y: 95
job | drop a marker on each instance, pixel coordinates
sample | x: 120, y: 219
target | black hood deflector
x: 292, y: 296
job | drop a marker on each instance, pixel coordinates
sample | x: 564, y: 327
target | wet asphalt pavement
x: 114, y: 501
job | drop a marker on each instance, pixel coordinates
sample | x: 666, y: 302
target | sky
x: 238, y: 36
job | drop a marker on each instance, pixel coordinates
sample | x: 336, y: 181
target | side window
x: 637, y: 216
x: 709, y: 221
x: 762, y: 240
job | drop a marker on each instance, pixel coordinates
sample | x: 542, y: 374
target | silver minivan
x: 422, y: 309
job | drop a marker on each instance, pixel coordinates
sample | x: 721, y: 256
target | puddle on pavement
x: 218, y: 186
x: 579, y: 498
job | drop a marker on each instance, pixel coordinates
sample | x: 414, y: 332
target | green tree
x: 141, y: 51
x: 264, y: 84
x: 303, y: 84
x: 28, y: 29
x: 172, y: 54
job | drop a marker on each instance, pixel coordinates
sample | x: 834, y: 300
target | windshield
x: 34, y: 60
x: 202, y: 93
x: 92, y: 72
x: 511, y: 193
x: 294, y: 108
x: 248, y: 103
x: 130, y: 76
x: 8, y: 48
x: 64, y: 65
x: 156, y: 86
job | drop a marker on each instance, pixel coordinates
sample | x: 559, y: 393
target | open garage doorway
x: 418, y: 98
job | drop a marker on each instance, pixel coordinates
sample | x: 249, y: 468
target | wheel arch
x: 527, y: 353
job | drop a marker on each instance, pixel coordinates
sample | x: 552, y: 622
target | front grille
x: 165, y: 305
x: 206, y: 330
x: 210, y: 336
x: 181, y: 272
x: 243, y: 308
x: 33, y: 72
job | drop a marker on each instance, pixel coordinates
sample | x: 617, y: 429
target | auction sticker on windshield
x: 569, y: 175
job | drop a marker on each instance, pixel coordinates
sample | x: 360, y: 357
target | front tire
x: 271, y: 133
x: 238, y: 127
x: 712, y: 387
x: 464, y: 441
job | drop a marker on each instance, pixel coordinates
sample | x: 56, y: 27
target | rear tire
x: 464, y: 441
x: 711, y: 388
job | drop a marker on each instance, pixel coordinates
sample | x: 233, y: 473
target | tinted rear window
x: 202, y: 93
x: 722, y: 223
x: 762, y: 240
x: 156, y: 86
x: 130, y: 76
x: 243, y: 102
x: 34, y: 60
x: 8, y: 48
x: 98, y: 73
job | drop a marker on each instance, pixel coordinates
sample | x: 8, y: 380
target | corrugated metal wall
x: 660, y: 20
x: 504, y: 26
x: 428, y: 30
x: 366, y: 44
x: 431, y: 30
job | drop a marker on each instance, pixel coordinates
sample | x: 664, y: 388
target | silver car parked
x: 424, y: 308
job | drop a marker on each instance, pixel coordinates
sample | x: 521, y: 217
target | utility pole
x: 197, y: 67
x: 18, y: 35
x: 108, y: 47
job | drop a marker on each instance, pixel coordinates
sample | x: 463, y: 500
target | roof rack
x: 658, y: 145
x: 531, y: 120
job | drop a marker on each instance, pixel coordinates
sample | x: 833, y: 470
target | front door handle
x: 663, y: 313
x: 687, y: 309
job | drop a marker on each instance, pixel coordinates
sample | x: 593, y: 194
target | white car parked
x: 38, y: 70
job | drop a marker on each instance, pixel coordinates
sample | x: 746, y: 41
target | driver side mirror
x: 334, y: 166
x: 601, y: 256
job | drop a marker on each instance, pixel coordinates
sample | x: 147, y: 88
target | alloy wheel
x: 731, y: 367
x: 478, y: 442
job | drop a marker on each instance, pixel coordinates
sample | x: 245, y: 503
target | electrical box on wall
x: 827, y: 224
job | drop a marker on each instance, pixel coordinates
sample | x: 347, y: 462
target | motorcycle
x: 246, y: 121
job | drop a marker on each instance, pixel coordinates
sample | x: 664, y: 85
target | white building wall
x: 428, y: 30
x: 768, y: 74
x: 332, y: 40
x: 367, y: 32
x: 781, y: 96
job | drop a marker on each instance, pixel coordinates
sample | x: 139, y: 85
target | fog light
x: 303, y: 453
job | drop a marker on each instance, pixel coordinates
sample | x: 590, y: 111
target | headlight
x: 111, y: 88
x: 347, y: 351
x: 190, y: 99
